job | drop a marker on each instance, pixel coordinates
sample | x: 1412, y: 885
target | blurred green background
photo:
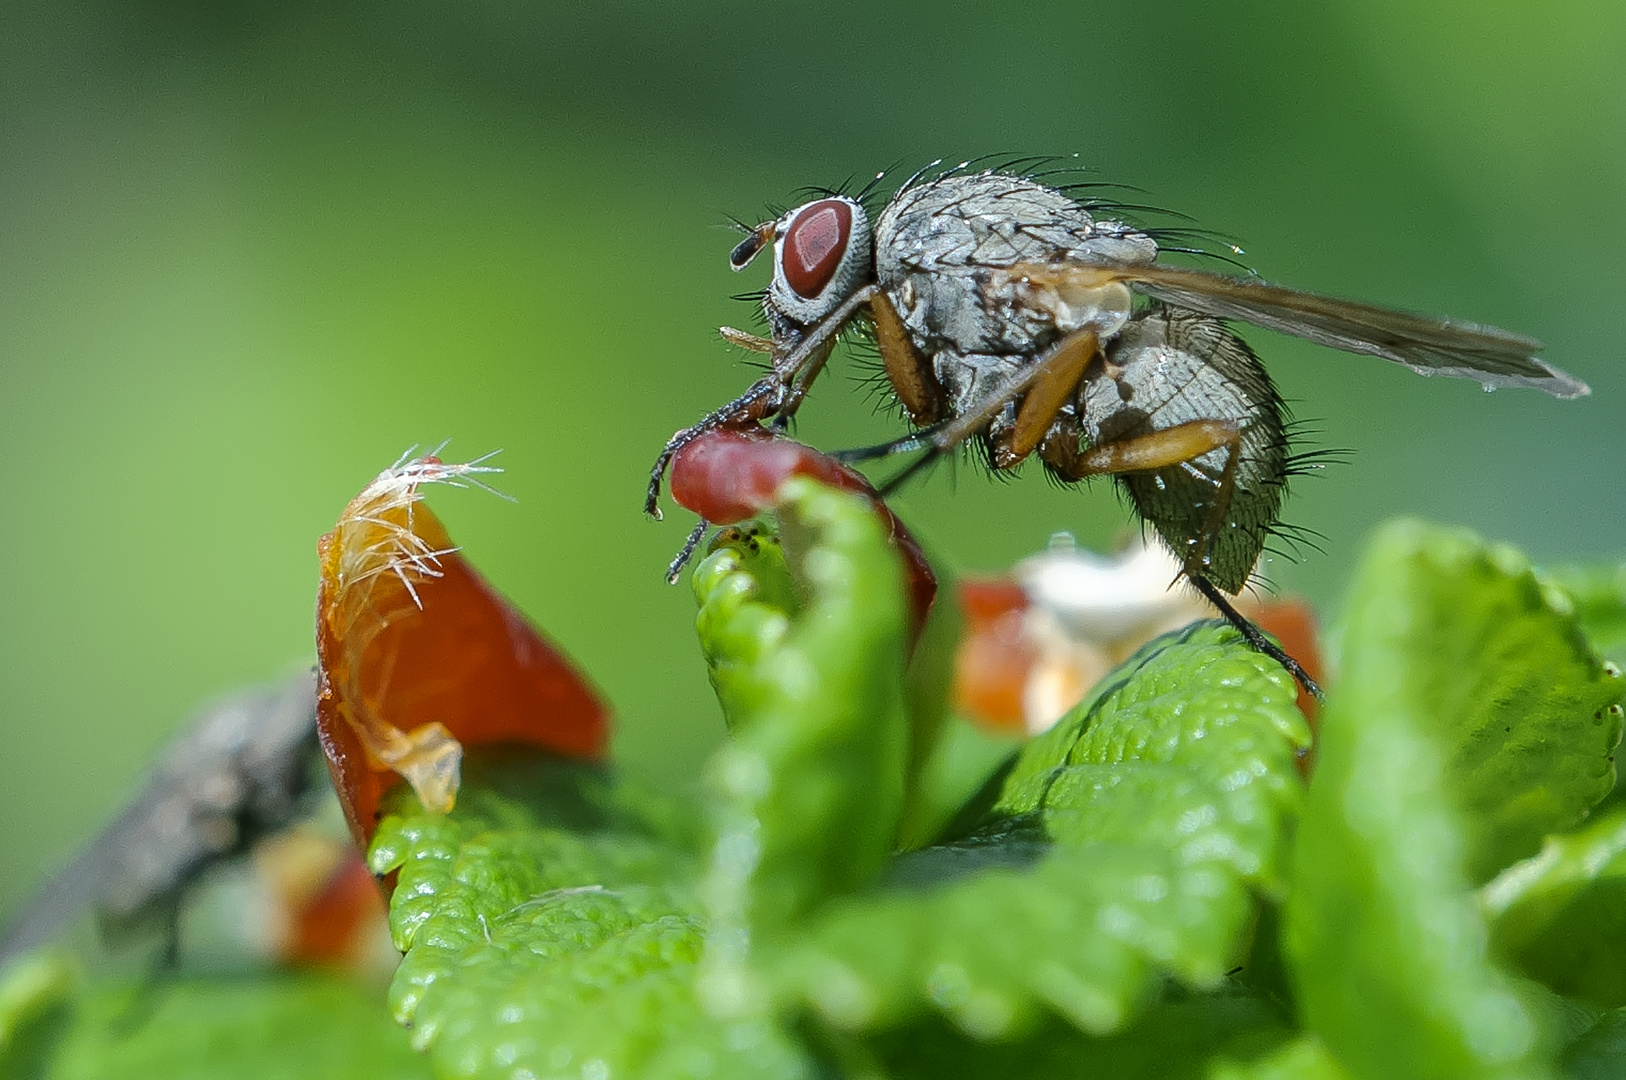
x: 250, y: 252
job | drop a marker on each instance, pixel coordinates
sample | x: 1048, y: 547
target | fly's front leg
x: 776, y: 395
x: 1058, y: 372
x: 796, y: 389
x: 793, y: 398
x: 797, y: 366
x: 761, y: 400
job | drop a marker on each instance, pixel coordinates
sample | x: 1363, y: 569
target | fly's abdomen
x: 1168, y: 368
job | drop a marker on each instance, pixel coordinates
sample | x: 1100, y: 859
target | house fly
x: 1014, y: 316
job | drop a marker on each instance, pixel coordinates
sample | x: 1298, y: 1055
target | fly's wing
x: 1428, y: 346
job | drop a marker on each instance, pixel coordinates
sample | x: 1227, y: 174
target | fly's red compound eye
x: 821, y: 256
x: 814, y: 244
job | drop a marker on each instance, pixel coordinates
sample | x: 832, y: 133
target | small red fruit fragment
x: 332, y: 927
x: 731, y: 474
x: 418, y: 656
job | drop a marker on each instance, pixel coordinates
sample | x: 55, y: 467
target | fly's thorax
x: 954, y: 254
x: 1167, y: 368
x: 992, y: 220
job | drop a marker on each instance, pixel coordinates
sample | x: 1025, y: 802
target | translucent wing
x: 1428, y: 346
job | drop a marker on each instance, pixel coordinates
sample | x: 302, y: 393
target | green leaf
x: 1598, y: 591
x: 36, y: 996
x: 1562, y: 914
x: 1600, y: 1054
x: 1128, y: 843
x: 1304, y: 1058
x: 1493, y: 665
x: 291, y: 1027
x: 810, y: 788
x: 967, y: 760
x: 551, y: 925
x: 1172, y: 1040
x: 1455, y: 675
x: 937, y: 750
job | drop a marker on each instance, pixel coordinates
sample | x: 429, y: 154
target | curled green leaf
x: 550, y: 927
x: 1491, y: 664
x: 1598, y: 591
x: 810, y: 788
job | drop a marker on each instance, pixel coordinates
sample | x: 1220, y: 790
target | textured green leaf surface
x: 550, y: 929
x: 261, y: 1026
x: 1562, y: 914
x: 1454, y: 674
x: 1129, y: 842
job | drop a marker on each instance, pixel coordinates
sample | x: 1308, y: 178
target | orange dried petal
x: 418, y: 656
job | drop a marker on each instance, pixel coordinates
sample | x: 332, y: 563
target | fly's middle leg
x: 1046, y: 398
x: 1048, y: 385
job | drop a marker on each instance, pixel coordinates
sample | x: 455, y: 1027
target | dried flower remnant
x: 1038, y: 639
x: 419, y: 656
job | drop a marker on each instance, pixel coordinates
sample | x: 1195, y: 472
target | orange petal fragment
x: 418, y: 656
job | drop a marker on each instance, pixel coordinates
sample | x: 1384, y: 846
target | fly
x: 1010, y: 315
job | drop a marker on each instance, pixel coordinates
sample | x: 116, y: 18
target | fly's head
x: 821, y: 256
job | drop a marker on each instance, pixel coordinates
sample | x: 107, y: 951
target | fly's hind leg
x: 1256, y: 637
x: 1181, y: 445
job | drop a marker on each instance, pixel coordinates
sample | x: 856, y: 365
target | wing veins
x: 1428, y: 346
